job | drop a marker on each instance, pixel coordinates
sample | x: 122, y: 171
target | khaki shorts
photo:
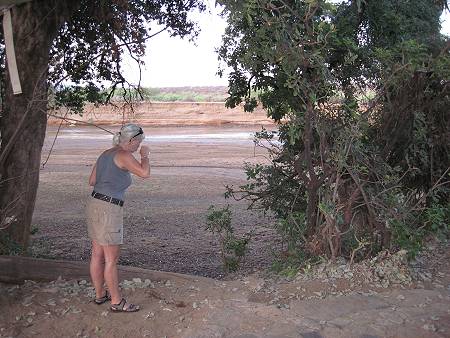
x: 104, y: 222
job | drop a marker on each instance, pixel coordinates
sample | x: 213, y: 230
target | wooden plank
x: 16, y: 269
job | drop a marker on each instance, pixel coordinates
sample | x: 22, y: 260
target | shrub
x: 233, y: 248
x: 8, y: 246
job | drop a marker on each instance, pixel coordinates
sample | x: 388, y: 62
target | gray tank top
x: 111, y: 180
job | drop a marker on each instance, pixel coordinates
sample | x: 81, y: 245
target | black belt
x: 106, y: 198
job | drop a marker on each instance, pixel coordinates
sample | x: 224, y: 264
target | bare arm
x: 127, y: 161
x: 93, y: 175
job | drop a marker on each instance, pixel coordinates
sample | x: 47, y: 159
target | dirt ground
x: 382, y: 298
x: 165, y: 215
x: 164, y: 231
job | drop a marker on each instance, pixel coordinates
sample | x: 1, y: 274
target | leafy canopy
x: 359, y: 89
x: 92, y: 44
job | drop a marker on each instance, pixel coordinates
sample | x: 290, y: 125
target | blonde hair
x: 128, y: 132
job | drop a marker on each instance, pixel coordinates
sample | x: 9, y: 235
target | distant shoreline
x: 177, y: 94
x: 164, y: 114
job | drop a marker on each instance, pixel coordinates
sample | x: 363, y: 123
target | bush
x: 437, y: 219
x: 8, y: 246
x: 233, y: 248
x: 363, y: 207
x: 348, y: 175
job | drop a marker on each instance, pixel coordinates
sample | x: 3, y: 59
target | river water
x: 191, y: 134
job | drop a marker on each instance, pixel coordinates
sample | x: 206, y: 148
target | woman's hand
x: 144, y: 151
x: 125, y: 160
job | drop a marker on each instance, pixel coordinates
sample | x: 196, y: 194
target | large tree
x: 361, y: 89
x: 64, y: 41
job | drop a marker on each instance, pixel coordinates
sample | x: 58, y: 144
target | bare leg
x: 97, y: 268
x: 111, y: 276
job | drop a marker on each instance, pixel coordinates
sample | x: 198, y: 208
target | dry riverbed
x: 165, y: 216
x: 165, y: 220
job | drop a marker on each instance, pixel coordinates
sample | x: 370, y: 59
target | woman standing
x: 110, y: 178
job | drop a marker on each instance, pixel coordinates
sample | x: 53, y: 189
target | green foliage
x: 437, y: 219
x: 8, y: 246
x: 407, y: 237
x: 185, y: 96
x: 34, y: 230
x: 74, y: 97
x: 192, y: 94
x: 219, y: 221
x: 287, y: 268
x: 293, y: 230
x: 234, y: 248
x: 410, y: 233
x: 413, y: 118
x: 288, y: 263
x: 350, y: 174
x: 89, y: 48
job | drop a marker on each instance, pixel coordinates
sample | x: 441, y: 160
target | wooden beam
x: 17, y: 269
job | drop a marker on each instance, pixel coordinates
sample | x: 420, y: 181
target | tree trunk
x: 312, y: 186
x: 35, y: 25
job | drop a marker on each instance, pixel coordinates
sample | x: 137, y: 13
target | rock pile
x: 382, y: 271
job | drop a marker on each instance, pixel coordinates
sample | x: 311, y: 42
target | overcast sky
x: 173, y: 62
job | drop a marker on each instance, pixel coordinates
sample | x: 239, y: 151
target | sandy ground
x: 338, y: 302
x: 164, y: 215
x: 165, y: 219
